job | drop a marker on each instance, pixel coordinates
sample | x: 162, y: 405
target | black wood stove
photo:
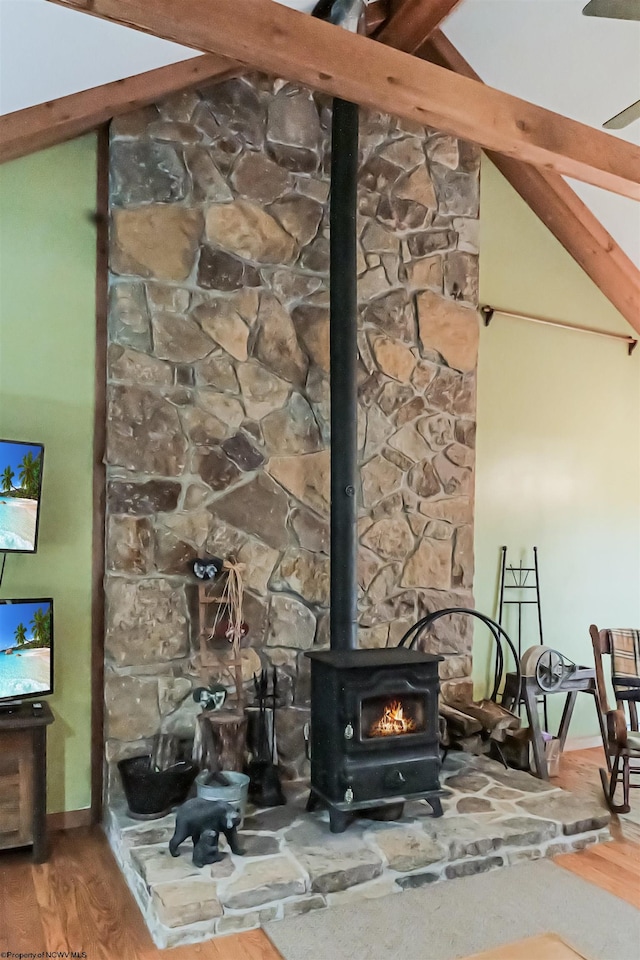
x: 374, y: 730
x: 374, y: 713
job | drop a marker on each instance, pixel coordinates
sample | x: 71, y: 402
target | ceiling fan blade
x: 614, y: 9
x: 624, y: 118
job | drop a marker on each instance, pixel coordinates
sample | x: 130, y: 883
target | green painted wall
x: 558, y: 458
x: 47, y: 346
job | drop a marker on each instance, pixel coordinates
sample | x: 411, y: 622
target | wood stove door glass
x: 392, y: 715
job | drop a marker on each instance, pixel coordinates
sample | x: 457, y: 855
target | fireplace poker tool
x: 265, y: 787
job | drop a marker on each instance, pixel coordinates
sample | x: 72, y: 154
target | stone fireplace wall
x: 218, y: 407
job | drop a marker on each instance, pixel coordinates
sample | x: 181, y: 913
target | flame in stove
x: 392, y: 722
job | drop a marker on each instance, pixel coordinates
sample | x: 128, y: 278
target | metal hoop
x: 424, y: 623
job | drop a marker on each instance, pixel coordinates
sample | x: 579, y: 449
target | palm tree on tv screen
x: 41, y: 625
x: 7, y: 480
x: 30, y: 474
x: 21, y: 634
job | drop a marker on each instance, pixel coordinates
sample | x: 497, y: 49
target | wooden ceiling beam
x: 47, y: 124
x: 561, y: 210
x: 275, y: 39
x: 413, y: 23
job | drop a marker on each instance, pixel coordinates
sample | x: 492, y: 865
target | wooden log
x: 494, y: 719
x: 224, y: 736
x: 459, y: 724
x: 164, y: 752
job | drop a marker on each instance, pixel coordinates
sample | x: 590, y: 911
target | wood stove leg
x: 338, y: 820
x: 436, y: 805
x: 312, y: 802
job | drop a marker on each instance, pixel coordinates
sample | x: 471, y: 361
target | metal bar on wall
x: 489, y: 312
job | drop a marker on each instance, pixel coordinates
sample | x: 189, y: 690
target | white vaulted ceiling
x: 586, y: 68
x: 544, y: 51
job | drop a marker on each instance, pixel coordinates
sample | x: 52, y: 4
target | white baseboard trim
x: 582, y: 743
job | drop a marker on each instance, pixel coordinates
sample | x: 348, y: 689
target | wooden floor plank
x: 112, y: 924
x: 23, y: 929
x: 611, y: 877
x: 548, y: 946
x: 51, y: 909
x: 614, y: 866
x: 619, y: 853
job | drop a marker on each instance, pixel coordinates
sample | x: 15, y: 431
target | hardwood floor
x: 79, y: 901
x: 613, y: 866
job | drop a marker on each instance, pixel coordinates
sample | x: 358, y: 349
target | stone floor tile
x: 145, y: 834
x: 525, y: 831
x: 407, y: 849
x: 254, y: 845
x: 464, y: 836
x: 314, y: 832
x: 382, y: 887
x: 245, y: 921
x: 262, y: 881
x: 223, y: 868
x: 518, y: 779
x: 504, y: 793
x: 474, y: 805
x: 181, y: 902
x: 575, y: 814
x: 467, y: 782
x: 470, y: 867
x: 418, y: 880
x: 156, y: 864
x: 296, y: 908
x: 331, y: 869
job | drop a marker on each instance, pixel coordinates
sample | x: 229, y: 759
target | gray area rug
x: 455, y: 918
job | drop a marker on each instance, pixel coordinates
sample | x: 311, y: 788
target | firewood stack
x: 472, y: 726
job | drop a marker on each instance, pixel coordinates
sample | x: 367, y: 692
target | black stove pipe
x: 343, y: 376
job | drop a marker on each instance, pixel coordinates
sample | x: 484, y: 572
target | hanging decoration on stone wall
x: 210, y: 698
x: 207, y: 569
x: 225, y: 624
x: 220, y: 739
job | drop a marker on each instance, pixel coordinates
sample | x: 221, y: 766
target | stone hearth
x: 493, y: 817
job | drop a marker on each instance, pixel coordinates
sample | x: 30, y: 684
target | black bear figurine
x: 206, y: 849
x: 203, y: 820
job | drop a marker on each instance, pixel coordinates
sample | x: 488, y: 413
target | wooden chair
x: 620, y: 735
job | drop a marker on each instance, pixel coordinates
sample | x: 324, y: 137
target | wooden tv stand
x: 23, y: 777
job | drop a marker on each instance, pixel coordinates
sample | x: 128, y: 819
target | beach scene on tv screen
x: 20, y: 473
x: 25, y: 648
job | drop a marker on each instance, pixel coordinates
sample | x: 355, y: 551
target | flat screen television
x: 20, y: 486
x: 26, y: 649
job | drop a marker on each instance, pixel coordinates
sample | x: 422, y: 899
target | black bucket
x: 153, y: 793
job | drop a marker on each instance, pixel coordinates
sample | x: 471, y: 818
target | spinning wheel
x: 549, y: 667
